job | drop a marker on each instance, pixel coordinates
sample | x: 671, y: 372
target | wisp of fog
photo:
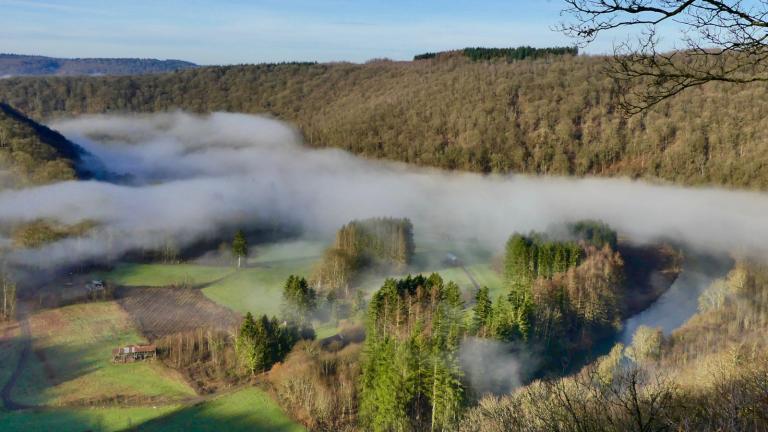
x: 185, y: 177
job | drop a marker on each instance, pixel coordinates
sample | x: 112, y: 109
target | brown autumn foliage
x: 732, y: 321
x: 575, y: 307
x: 40, y: 232
x: 634, y: 399
x: 206, y: 358
x: 31, y: 154
x: 710, y: 375
x: 556, y: 115
x: 318, y: 386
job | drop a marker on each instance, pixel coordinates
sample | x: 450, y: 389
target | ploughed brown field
x: 159, y: 312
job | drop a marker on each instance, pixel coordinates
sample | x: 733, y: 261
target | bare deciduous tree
x: 723, y: 40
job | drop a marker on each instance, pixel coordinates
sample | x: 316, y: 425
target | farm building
x: 131, y: 353
x: 96, y: 286
x: 451, y: 260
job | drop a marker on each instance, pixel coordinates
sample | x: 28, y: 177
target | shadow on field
x: 45, y: 368
x: 52, y: 420
x: 194, y: 419
x: 185, y: 420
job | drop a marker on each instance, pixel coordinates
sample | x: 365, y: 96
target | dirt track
x: 26, y: 350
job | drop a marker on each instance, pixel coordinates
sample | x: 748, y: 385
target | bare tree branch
x: 724, y: 40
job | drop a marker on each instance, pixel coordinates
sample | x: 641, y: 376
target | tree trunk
x: 434, y: 395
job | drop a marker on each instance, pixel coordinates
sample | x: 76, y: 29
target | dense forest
x: 554, y: 115
x: 32, y: 154
x: 411, y: 376
x: 23, y: 65
x: 563, y: 296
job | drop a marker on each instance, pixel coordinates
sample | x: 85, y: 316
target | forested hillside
x: 555, y: 115
x: 22, y: 65
x: 31, y: 153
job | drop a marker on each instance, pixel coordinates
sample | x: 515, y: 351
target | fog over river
x: 185, y: 177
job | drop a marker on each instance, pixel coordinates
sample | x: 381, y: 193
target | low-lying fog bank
x: 186, y: 177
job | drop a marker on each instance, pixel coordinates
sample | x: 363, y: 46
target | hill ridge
x: 12, y: 64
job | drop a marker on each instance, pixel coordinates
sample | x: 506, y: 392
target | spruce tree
x: 299, y: 298
x: 482, y: 312
x: 240, y: 247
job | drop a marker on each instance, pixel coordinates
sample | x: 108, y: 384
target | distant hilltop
x: 29, y: 65
x: 510, y: 54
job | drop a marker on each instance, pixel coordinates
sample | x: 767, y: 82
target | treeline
x: 263, y: 342
x: 562, y: 296
x: 533, y: 256
x: 206, y: 357
x: 16, y: 64
x: 509, y: 54
x: 41, y: 232
x: 213, y: 359
x: 383, y: 244
x: 596, y: 233
x: 555, y: 115
x: 411, y: 376
x: 519, y: 53
x: 319, y: 386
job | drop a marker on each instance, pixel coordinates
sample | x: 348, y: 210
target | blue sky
x: 241, y: 31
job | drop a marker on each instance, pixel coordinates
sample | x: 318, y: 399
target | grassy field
x: 258, y: 288
x: 10, y: 350
x: 81, y: 419
x: 246, y: 410
x: 165, y: 274
x: 71, y: 360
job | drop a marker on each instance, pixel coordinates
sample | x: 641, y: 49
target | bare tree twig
x: 724, y: 41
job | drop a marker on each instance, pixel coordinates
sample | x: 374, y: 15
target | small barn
x: 132, y: 353
x: 95, y: 286
x: 451, y: 260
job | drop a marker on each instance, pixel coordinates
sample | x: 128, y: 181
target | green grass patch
x: 81, y: 419
x: 165, y: 274
x: 325, y: 330
x: 259, y: 288
x: 245, y: 410
x: 486, y: 276
x: 71, y: 360
x: 287, y: 251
